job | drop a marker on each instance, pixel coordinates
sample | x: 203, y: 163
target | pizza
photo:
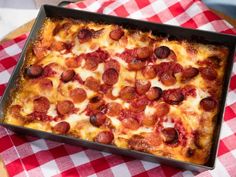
x: 124, y: 87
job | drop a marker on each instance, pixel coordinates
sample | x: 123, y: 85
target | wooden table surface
x: 26, y: 28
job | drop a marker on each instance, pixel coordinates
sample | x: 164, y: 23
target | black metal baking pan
x: 158, y: 29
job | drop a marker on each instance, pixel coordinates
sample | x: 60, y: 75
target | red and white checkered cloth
x: 28, y: 156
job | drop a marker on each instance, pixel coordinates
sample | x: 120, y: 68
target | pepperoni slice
x: 130, y: 123
x: 104, y: 137
x: 92, y: 83
x: 58, y: 46
x: 96, y: 102
x: 208, y: 104
x: 142, y: 86
x: 41, y: 104
x: 139, y: 104
x: 154, y: 93
x: 162, y: 52
x: 208, y: 73
x: 78, y: 95
x: 189, y: 73
x: 112, y: 64
x: 84, y: 35
x: 34, y: 71
x: 65, y: 107
x: 127, y: 93
x: 136, y: 65
x: 72, y: 62
x: 15, y: 110
x: 98, y: 119
x: 173, y: 96
x: 168, y: 79
x: 144, y: 53
x: 214, y: 60
x: 170, y: 135
x: 116, y: 34
x: 91, y: 64
x: 149, y: 72
x: 149, y: 120
x: 138, y: 143
x: 46, y: 84
x: 110, y: 76
x: 61, y: 127
x: 162, y: 109
x: 68, y: 75
x: 114, y: 109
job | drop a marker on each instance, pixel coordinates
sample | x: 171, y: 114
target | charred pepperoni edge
x: 34, y: 71
x: 154, y: 93
x: 138, y: 143
x: 189, y: 73
x: 68, y: 75
x: 170, y: 135
x: 208, y: 103
x: 61, y: 127
x: 97, y: 119
x: 144, y: 53
x: 41, y: 104
x: 162, y: 52
x: 173, y: 96
x: 116, y: 34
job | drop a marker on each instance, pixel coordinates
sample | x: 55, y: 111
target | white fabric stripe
x: 231, y: 98
x: 4, y: 77
x: 120, y: 170
x: 219, y: 170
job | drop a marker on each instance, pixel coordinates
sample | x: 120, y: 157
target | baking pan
x: 172, y: 32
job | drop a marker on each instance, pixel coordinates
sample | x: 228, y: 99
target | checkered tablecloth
x: 29, y: 156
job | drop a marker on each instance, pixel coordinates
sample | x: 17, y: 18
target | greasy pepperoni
x: 96, y: 102
x: 127, y: 93
x: 162, y: 109
x: 138, y: 143
x: 91, y: 64
x: 41, y: 104
x: 46, y: 84
x: 15, y: 110
x: 136, y: 65
x: 72, y: 62
x: 34, y: 71
x: 114, y: 109
x: 112, y: 64
x: 139, y: 104
x: 142, y: 86
x: 110, y: 76
x: 170, y: 135
x: 58, y: 46
x: 167, y: 67
x: 65, y: 107
x: 162, y: 52
x: 149, y: 120
x: 39, y: 116
x: 167, y: 78
x: 144, y: 52
x: 173, y: 96
x: 130, y: 123
x: 214, y: 61
x: 61, y: 127
x: 78, y: 95
x: 208, y: 103
x: 149, y: 72
x: 154, y: 93
x: 104, y: 137
x: 68, y: 75
x: 116, y: 34
x: 92, y: 83
x: 208, y: 73
x: 98, y: 119
x: 84, y: 34
x: 189, y: 73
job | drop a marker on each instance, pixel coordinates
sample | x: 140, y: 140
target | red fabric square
x: 7, y: 63
x: 229, y: 113
x: 154, y: 18
x: 211, y: 16
x: 58, y: 151
x: 30, y: 162
x: 222, y: 148
x: 232, y: 85
x: 121, y: 11
x: 69, y: 173
x: 85, y: 169
x: 100, y: 164
x: 176, y: 9
x: 2, y: 88
x: 14, y: 167
x: 44, y: 156
x: 190, y: 24
x: 105, y: 4
x: 5, y: 143
x: 18, y: 140
x: 142, y: 4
